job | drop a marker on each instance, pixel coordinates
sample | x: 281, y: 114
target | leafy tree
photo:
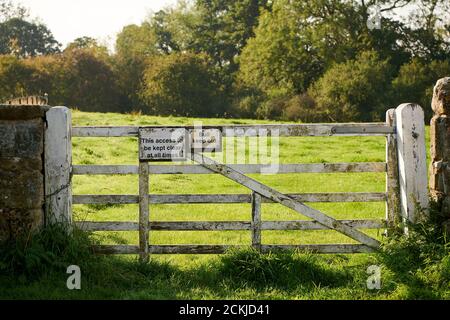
x: 281, y: 55
x: 161, y: 23
x: 182, y: 84
x: 134, y: 45
x: 415, y: 82
x: 175, y: 27
x: 87, y: 81
x: 224, y: 28
x: 426, y: 30
x: 83, y: 43
x: 354, y: 90
x: 9, y: 10
x: 13, y: 77
x: 46, y: 77
x: 245, y: 100
x: 430, y: 15
x: 25, y: 39
x: 299, y: 40
x: 137, y: 41
x: 218, y: 28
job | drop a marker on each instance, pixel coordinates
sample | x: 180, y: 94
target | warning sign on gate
x: 206, y: 140
x: 163, y: 144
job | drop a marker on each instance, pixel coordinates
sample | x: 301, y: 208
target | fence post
x: 412, y: 160
x: 144, y: 222
x: 392, y: 181
x: 256, y: 221
x: 58, y: 164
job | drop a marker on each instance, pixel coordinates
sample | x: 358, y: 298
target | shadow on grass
x: 233, y: 274
x: 279, y: 270
x: 99, y: 207
x: 110, y: 277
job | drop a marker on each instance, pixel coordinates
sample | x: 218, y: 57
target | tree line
x: 315, y: 60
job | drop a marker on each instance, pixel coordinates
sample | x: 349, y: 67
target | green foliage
x: 175, y: 26
x: 281, y: 269
x: 282, y: 106
x: 416, y: 80
x: 224, y: 28
x: 85, y: 43
x: 182, y: 84
x: 79, y: 77
x: 219, y: 29
x: 24, y: 39
x: 9, y: 10
x: 354, y: 90
x: 21, y: 77
x: 134, y: 45
x: 53, y: 248
x: 14, y: 75
x: 87, y: 80
x: 280, y: 57
x: 161, y: 23
x: 301, y: 108
x: 421, y: 258
x: 246, y: 100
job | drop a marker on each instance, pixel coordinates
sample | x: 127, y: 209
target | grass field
x: 236, y: 275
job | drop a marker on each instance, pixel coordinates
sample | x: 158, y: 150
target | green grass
x: 237, y: 275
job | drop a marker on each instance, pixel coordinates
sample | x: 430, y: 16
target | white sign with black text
x: 206, y: 140
x: 163, y: 144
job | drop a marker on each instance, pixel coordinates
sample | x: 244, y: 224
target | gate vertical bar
x: 144, y: 221
x: 392, y: 182
x: 58, y: 166
x: 256, y: 221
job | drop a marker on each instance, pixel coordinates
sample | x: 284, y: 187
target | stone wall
x: 440, y: 146
x: 21, y: 170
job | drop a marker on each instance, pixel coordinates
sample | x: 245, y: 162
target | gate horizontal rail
x: 283, y: 130
x: 227, y: 198
x: 220, y: 249
x: 352, y: 167
x: 223, y: 226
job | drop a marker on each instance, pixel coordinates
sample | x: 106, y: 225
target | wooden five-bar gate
x: 405, y: 169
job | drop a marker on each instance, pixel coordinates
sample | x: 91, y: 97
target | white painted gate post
x: 412, y: 160
x: 58, y: 164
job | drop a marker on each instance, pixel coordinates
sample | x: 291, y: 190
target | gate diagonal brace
x: 284, y: 200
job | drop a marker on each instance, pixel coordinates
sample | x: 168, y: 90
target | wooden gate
x: 405, y: 154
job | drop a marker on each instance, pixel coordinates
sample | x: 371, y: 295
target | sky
x: 100, y: 19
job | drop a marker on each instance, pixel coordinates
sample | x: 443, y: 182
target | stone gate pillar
x: 22, y: 192
x: 440, y: 145
x: 35, y: 168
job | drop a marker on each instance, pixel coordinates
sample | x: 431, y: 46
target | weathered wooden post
x: 256, y: 221
x: 392, y: 183
x: 57, y: 167
x: 412, y: 161
x: 144, y: 214
x: 440, y: 147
